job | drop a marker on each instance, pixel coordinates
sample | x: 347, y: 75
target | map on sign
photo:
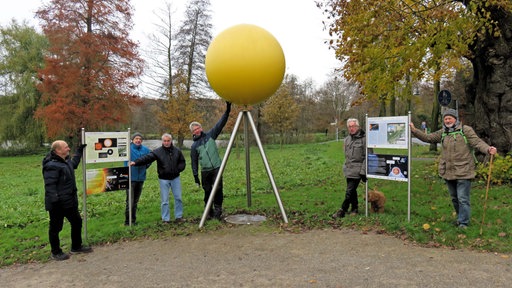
x: 106, y: 147
x: 388, y: 132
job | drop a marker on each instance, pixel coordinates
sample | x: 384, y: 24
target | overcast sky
x: 296, y: 24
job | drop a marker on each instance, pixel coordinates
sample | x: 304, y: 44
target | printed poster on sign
x: 106, y: 147
x: 107, y: 180
x: 388, y: 132
x: 390, y: 167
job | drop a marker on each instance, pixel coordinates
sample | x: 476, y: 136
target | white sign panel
x: 106, y: 146
x: 388, y: 132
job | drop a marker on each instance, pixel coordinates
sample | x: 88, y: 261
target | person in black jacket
x: 61, y: 200
x: 170, y: 163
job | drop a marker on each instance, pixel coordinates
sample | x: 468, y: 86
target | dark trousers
x: 351, y: 195
x: 137, y: 191
x: 208, y: 179
x: 57, y: 216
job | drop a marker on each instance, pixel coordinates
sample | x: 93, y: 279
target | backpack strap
x: 461, y: 132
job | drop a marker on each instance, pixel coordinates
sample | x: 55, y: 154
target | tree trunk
x: 435, y: 113
x: 382, y: 111
x: 488, y: 104
x: 392, y: 106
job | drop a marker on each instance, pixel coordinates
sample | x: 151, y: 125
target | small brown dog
x: 377, y: 200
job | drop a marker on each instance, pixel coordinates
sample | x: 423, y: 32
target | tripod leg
x: 267, y: 167
x: 221, y: 170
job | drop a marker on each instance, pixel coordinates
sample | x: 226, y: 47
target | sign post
x: 390, y: 133
x: 105, y: 147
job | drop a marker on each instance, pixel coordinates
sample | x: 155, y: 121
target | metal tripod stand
x: 247, y: 120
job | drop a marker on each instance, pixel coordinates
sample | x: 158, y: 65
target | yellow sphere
x: 245, y: 64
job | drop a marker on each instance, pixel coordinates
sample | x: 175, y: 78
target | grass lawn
x: 311, y: 187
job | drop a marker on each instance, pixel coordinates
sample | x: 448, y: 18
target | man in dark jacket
x: 354, y: 167
x: 204, y: 152
x: 138, y: 176
x: 61, y: 200
x: 170, y: 163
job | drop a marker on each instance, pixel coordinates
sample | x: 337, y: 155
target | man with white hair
x: 354, y: 167
x: 170, y: 163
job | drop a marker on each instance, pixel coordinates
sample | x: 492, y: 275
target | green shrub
x: 501, y: 170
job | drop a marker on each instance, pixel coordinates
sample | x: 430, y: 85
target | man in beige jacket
x: 457, y: 162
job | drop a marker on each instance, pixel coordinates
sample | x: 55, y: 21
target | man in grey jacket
x: 457, y: 164
x: 354, y: 167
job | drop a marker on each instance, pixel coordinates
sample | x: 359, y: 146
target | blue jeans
x: 175, y: 186
x: 459, y: 191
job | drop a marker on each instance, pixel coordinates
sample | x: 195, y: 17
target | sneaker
x: 179, y: 220
x: 339, y: 214
x: 60, y: 256
x: 83, y: 249
x: 463, y: 227
x: 354, y: 212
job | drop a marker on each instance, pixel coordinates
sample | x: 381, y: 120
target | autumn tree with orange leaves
x: 179, y: 110
x: 281, y: 111
x: 92, y: 67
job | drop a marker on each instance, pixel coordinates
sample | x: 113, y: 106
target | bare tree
x: 159, y: 68
x: 192, y: 41
x: 338, y: 93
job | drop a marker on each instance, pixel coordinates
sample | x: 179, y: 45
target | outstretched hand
x: 81, y: 148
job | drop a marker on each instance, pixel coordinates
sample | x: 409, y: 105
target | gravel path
x: 240, y: 257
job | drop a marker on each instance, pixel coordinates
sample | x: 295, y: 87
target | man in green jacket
x: 204, y: 152
x: 457, y: 163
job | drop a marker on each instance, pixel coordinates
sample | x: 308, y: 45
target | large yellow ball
x: 245, y: 64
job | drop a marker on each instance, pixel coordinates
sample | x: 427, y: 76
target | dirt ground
x: 239, y: 257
